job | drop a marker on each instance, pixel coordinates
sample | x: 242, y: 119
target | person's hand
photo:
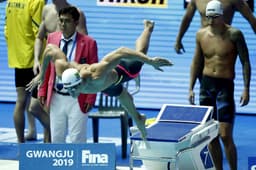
x: 36, y: 67
x: 158, y: 62
x: 245, y: 97
x: 42, y: 100
x: 33, y: 83
x: 88, y: 107
x: 191, y: 97
x: 179, y: 48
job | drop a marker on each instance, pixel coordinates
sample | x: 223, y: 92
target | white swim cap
x: 70, y: 78
x: 214, y: 7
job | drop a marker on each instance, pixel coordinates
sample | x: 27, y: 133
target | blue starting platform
x: 178, y: 139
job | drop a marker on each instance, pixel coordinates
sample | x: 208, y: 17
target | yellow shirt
x: 23, y: 18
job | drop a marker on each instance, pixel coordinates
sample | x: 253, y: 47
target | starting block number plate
x: 67, y: 156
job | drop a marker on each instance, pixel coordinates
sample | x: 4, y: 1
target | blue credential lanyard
x: 73, y: 46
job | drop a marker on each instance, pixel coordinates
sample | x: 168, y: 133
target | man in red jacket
x: 67, y: 113
x: 48, y: 25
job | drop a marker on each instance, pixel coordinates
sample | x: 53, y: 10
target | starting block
x: 178, y: 139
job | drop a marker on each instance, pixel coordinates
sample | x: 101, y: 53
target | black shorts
x: 34, y: 92
x: 23, y: 76
x: 126, y: 70
x: 219, y: 93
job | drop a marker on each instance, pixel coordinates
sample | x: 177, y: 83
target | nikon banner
x: 67, y: 156
x: 134, y: 3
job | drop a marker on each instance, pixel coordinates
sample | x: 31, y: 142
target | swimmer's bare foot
x: 141, y: 126
x: 137, y: 85
x: 149, y: 24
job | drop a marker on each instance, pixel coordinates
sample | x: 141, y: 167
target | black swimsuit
x: 126, y: 70
x: 218, y: 92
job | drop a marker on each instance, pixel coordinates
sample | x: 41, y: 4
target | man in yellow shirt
x: 22, y: 21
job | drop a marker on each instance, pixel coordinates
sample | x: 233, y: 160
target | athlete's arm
x: 186, y: 20
x: 39, y: 41
x: 247, y: 13
x: 82, y: 26
x: 113, y: 58
x: 54, y: 54
x: 196, y: 67
x: 243, y: 53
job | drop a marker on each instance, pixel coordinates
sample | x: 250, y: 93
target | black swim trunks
x: 126, y: 70
x: 23, y: 76
x: 219, y: 93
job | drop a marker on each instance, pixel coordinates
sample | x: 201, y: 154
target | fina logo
x: 90, y: 159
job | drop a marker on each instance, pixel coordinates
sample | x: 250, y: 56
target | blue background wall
x: 113, y: 27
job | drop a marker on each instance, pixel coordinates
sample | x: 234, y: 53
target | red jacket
x: 86, y: 52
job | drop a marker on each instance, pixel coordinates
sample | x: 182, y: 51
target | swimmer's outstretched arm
x: 113, y: 58
x: 54, y: 54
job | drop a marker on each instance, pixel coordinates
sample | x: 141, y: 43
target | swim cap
x: 70, y: 78
x: 214, y: 7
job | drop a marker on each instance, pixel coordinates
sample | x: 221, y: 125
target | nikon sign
x: 134, y: 3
